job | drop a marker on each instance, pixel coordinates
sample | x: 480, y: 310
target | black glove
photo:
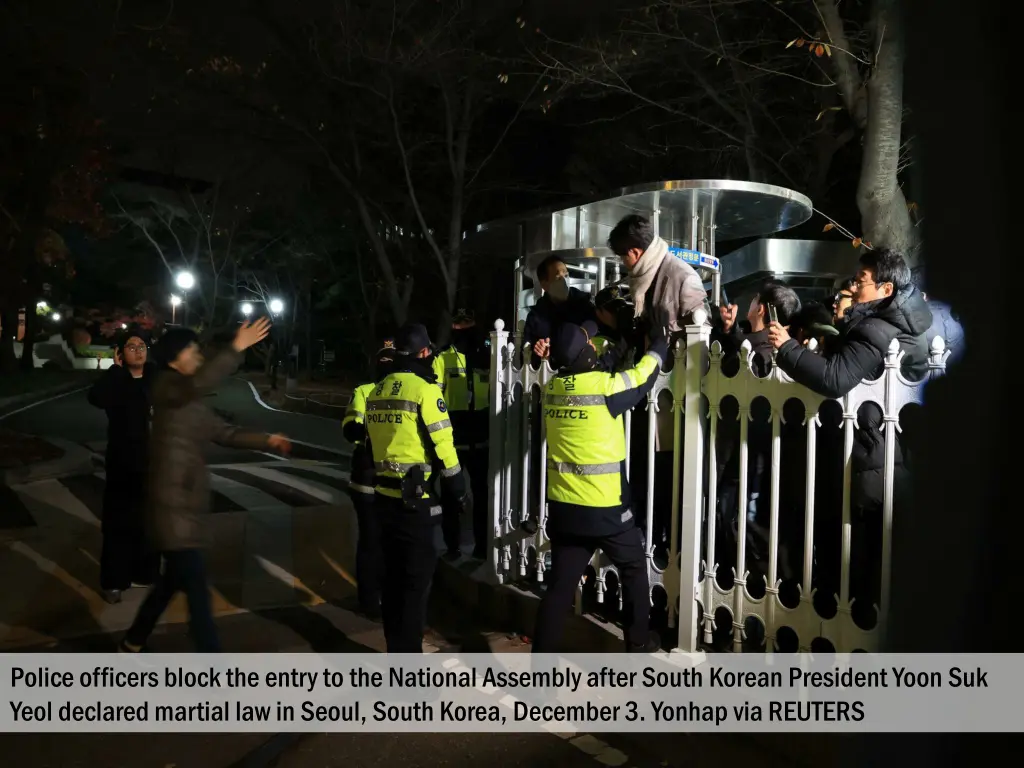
x: 659, y: 346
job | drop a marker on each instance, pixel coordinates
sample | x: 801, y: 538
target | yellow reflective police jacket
x: 449, y: 364
x: 408, y: 427
x: 586, y: 486
x: 466, y: 393
x: 362, y: 477
x: 356, y: 411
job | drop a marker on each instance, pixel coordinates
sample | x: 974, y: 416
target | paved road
x: 72, y: 418
x: 334, y: 629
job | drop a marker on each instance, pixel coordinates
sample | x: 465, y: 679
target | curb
x: 76, y: 460
x: 508, y: 608
x: 511, y: 609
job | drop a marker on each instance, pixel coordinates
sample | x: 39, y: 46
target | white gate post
x: 499, y: 391
x: 692, y: 512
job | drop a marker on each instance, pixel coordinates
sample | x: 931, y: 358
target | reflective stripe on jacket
x: 586, y: 485
x: 408, y: 427
x: 356, y: 411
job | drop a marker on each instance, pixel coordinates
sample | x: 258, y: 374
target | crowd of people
x: 420, y: 431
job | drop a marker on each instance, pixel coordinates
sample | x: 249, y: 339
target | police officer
x: 588, y: 496
x: 369, y: 557
x: 409, y: 431
x: 465, y: 387
x: 616, y: 334
x: 449, y: 366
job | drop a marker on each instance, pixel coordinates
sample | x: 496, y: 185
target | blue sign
x: 695, y: 258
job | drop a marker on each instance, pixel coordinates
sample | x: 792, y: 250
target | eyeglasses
x: 135, y: 348
x: 840, y: 296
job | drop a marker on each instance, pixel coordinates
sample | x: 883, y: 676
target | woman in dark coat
x: 123, y: 392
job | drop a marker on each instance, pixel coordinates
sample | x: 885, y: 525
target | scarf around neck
x: 641, y: 276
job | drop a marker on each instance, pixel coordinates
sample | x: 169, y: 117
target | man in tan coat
x: 666, y: 291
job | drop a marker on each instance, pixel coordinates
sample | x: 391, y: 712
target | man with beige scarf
x: 666, y: 291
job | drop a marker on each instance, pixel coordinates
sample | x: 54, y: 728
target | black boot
x: 653, y: 644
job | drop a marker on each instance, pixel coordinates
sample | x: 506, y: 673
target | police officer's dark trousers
x: 476, y: 465
x: 369, y: 555
x: 451, y: 518
x: 570, y: 555
x: 410, y: 556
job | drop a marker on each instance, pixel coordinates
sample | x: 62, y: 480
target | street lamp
x: 56, y: 317
x: 175, y: 301
x: 124, y: 326
x: 185, y: 280
x: 247, y: 309
x: 276, y: 306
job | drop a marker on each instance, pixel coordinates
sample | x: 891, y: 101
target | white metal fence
x: 697, y: 389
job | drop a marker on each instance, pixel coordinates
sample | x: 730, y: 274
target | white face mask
x: 559, y: 289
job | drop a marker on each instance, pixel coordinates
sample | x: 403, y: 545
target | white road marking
x: 54, y: 495
x: 246, y: 496
x: 259, y: 399
x: 42, y: 402
x: 325, y: 493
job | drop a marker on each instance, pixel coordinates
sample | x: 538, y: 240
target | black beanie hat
x: 173, y: 343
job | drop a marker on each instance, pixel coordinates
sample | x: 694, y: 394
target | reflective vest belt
x: 574, y: 400
x: 567, y: 468
x: 393, y: 405
x: 394, y: 466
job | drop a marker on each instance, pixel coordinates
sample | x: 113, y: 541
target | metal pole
x: 694, y: 221
x: 656, y: 214
x: 716, y: 280
x: 601, y: 267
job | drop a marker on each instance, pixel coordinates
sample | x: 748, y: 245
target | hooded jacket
x: 863, y: 342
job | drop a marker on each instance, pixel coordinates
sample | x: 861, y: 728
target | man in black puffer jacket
x: 887, y: 306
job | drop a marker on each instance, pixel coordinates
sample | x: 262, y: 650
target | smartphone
x: 773, y: 316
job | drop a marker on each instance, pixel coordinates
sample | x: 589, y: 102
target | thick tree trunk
x: 885, y: 220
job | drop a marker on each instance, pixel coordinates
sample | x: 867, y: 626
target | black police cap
x: 611, y: 297
x: 411, y: 339
x: 566, y: 344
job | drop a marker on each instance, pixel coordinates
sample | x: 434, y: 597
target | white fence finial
x: 499, y: 325
x: 938, y: 346
x: 699, y: 317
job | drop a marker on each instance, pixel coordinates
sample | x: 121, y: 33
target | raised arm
x: 628, y: 388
